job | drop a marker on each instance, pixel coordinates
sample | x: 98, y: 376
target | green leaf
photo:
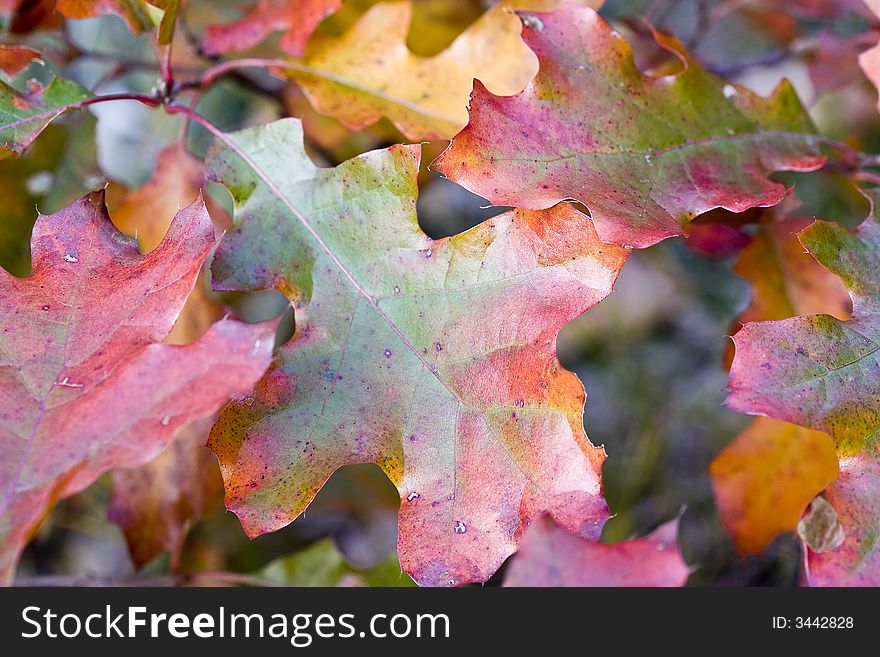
x: 23, y: 116
x: 321, y: 564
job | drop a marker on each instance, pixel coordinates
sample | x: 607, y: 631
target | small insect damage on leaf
x: 820, y: 527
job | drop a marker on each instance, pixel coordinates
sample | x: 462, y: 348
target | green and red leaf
x: 646, y: 154
x: 23, y: 116
x: 819, y: 371
x: 433, y: 358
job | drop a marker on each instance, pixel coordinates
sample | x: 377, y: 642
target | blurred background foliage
x: 651, y: 355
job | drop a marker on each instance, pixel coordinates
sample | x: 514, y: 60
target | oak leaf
x: 434, y: 359
x: 155, y: 504
x: 15, y: 59
x: 551, y: 556
x: 855, y: 497
x: 369, y: 72
x: 85, y: 385
x: 819, y: 371
x: 786, y: 280
x: 765, y: 479
x: 767, y: 476
x: 145, y: 213
x: 645, y: 154
x: 23, y: 116
x: 298, y: 19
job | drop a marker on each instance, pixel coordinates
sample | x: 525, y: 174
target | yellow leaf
x: 369, y: 72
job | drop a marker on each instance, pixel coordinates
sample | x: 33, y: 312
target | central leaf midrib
x: 378, y: 93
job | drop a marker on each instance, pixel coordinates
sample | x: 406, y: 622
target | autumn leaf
x: 870, y: 59
x: 551, y: 556
x: 85, y: 384
x: 23, y: 116
x: 766, y: 477
x: 817, y: 370
x: 855, y: 497
x: 298, y: 19
x: 786, y: 280
x: 156, y: 503
x: 368, y: 72
x: 139, y: 15
x: 645, y: 154
x: 15, y: 59
x: 432, y: 358
x: 55, y: 171
x: 146, y: 213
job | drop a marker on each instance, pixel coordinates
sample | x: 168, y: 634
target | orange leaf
x: 766, y: 478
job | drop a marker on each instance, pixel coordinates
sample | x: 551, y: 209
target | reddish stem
x: 189, y: 113
x: 150, y: 101
x: 165, y: 67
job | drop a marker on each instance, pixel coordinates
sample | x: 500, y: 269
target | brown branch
x: 205, y: 578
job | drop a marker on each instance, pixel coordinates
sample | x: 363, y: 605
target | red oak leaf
x: 85, y: 383
x: 14, y: 59
x: 820, y: 372
x: 296, y: 18
x: 155, y: 503
x: 645, y: 154
x: 551, y: 556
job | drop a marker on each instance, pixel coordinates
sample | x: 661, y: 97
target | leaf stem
x: 190, y: 113
x: 232, y: 66
x: 165, y: 66
x: 150, y: 101
x: 50, y: 114
x: 855, y: 159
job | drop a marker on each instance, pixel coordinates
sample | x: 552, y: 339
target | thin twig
x: 93, y: 580
x: 150, y: 101
x: 216, y: 578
